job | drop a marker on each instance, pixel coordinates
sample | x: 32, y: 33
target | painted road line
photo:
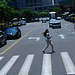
x: 1, y: 53
x: 46, y: 67
x: 62, y: 36
x: 69, y: 66
x: 72, y: 32
x: 19, y: 39
x: 69, y: 30
x: 26, y: 66
x: 1, y: 58
x: 66, y: 28
x: 7, y: 67
x: 34, y: 38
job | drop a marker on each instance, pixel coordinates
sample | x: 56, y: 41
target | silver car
x: 55, y: 23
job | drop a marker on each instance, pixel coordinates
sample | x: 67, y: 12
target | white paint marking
x: 66, y: 28
x: 46, y: 67
x: 1, y: 58
x: 72, y: 32
x: 26, y: 66
x: 7, y: 67
x: 1, y: 53
x: 34, y: 38
x: 10, y: 40
x: 62, y: 36
x: 69, y: 66
x: 69, y: 30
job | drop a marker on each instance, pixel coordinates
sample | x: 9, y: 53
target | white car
x: 55, y: 23
x: 58, y: 18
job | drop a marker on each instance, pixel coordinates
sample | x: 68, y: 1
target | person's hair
x: 44, y: 33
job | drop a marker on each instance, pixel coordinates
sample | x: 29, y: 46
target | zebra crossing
x: 70, y: 68
x: 26, y: 66
x: 46, y: 64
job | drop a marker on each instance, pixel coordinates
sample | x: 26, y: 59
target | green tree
x: 44, y: 13
x: 3, y: 7
x: 36, y: 14
x: 55, y: 9
x: 9, y: 1
x: 16, y: 13
x: 3, y: 3
x: 6, y: 12
x: 29, y: 14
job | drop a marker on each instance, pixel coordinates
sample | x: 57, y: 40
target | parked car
x: 32, y: 20
x: 43, y: 20
x: 22, y: 22
x: 47, y: 18
x: 3, y: 38
x: 40, y: 19
x: 70, y: 17
x: 36, y: 19
x: 13, y: 32
x: 55, y: 23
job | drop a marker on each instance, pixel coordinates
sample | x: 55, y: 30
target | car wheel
x: 5, y: 42
x: 52, y: 27
x: 19, y: 35
x: 60, y: 27
x: 2, y: 43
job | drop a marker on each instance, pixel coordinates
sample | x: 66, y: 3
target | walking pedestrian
x: 48, y: 40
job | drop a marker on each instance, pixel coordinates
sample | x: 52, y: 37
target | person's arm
x: 51, y: 36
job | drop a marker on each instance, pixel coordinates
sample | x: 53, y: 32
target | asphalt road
x: 24, y: 56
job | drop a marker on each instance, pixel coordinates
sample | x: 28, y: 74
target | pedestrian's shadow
x: 48, y: 53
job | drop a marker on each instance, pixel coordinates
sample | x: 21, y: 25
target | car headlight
x: 11, y: 33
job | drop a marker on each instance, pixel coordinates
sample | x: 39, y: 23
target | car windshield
x: 11, y: 30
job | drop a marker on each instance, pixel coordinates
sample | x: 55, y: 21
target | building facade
x: 36, y: 5
x: 67, y: 5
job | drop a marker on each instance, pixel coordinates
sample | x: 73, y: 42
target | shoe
x: 43, y: 51
x: 53, y: 51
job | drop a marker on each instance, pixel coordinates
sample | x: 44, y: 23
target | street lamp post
x: 52, y: 2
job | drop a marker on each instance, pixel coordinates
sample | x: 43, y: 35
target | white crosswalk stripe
x: 69, y: 66
x: 26, y: 66
x: 46, y: 64
x: 46, y: 68
x: 7, y: 67
x: 1, y: 58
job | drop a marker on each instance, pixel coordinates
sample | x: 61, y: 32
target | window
x: 35, y: 1
x: 40, y: 8
x: 39, y: 1
x: 31, y: 1
x: 27, y: 1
